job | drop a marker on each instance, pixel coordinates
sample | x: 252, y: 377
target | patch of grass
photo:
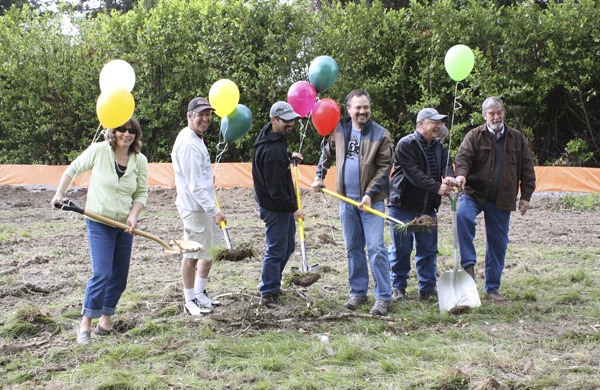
x: 580, y: 276
x: 569, y: 298
x: 18, y: 329
x: 587, y: 202
x: 10, y: 233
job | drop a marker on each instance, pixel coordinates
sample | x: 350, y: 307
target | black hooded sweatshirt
x: 271, y: 172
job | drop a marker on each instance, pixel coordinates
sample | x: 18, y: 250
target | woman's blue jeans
x: 496, y: 231
x: 363, y: 228
x: 280, y: 229
x: 110, y: 250
x: 426, y: 245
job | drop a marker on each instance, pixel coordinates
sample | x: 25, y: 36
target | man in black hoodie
x: 274, y: 192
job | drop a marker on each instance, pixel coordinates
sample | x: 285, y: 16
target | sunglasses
x: 130, y: 130
x: 286, y: 120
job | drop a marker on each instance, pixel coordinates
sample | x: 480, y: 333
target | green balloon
x: 322, y: 73
x: 235, y: 125
x: 459, y: 62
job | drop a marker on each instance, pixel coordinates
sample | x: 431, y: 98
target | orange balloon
x: 115, y: 107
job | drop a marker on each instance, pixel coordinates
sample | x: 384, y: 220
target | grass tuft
x: 587, y: 202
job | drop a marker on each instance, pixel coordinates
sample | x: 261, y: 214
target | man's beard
x: 496, y: 126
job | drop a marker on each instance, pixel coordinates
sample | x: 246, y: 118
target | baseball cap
x: 199, y: 104
x: 283, y: 110
x: 430, y: 113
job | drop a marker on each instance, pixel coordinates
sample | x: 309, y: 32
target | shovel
x: 457, y: 291
x: 223, y: 226
x: 173, y: 247
x: 418, y: 225
x: 305, y: 267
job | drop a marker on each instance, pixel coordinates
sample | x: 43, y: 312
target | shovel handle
x: 223, y: 226
x: 367, y: 208
x: 69, y: 205
x: 305, y: 266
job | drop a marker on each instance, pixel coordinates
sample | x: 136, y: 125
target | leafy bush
x: 542, y: 64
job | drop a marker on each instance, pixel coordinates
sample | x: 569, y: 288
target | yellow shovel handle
x: 223, y: 225
x: 352, y: 201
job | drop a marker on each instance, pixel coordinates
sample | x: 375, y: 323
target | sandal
x: 100, y: 331
x: 83, y: 337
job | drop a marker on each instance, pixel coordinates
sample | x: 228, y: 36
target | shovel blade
x: 457, y: 290
x: 183, y: 246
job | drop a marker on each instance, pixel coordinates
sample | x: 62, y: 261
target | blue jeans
x: 425, y: 244
x: 496, y: 231
x: 280, y: 229
x: 363, y: 228
x: 110, y: 251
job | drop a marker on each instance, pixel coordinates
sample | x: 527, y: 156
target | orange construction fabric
x: 229, y: 175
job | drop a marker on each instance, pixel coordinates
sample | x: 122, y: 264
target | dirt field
x: 44, y: 258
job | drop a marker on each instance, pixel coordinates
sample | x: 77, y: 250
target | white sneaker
x: 193, y: 308
x: 206, y: 301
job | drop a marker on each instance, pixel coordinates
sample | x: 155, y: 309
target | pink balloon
x: 302, y: 96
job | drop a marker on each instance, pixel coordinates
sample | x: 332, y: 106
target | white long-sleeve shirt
x: 193, y: 174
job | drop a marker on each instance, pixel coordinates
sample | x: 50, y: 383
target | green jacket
x: 108, y: 195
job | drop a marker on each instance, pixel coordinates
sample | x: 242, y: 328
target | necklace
x: 119, y: 169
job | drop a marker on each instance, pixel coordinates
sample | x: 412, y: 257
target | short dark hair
x: 136, y: 145
x: 357, y: 92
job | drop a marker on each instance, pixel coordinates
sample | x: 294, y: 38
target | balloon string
x: 221, y: 148
x: 457, y: 106
x: 303, y: 129
x: 323, y: 145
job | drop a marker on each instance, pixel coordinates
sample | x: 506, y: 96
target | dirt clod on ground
x: 305, y: 279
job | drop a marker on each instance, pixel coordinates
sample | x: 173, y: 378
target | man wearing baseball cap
x: 274, y: 192
x: 420, y: 161
x: 196, y: 204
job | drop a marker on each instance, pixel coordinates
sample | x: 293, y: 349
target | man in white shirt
x: 196, y: 204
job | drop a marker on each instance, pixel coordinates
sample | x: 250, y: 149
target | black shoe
x: 428, y: 296
x: 398, y: 295
x: 271, y: 300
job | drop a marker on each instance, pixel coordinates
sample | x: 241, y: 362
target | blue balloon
x: 236, y: 125
x: 322, y: 73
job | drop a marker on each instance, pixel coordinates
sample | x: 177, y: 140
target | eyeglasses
x: 286, y: 120
x: 130, y: 130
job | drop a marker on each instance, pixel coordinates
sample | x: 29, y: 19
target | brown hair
x: 357, y: 92
x: 136, y: 145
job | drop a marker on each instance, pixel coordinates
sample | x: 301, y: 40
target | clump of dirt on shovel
x: 419, y: 224
x: 422, y: 223
x: 239, y: 253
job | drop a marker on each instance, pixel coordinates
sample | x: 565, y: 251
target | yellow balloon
x: 224, y: 96
x: 115, y: 107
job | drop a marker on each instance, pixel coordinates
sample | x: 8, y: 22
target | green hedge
x: 544, y: 63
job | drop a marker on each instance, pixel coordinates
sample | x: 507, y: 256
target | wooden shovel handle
x: 70, y: 206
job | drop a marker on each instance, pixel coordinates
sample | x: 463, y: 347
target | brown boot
x: 494, y: 296
x: 470, y: 269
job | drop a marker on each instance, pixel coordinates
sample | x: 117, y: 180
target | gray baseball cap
x: 283, y: 110
x: 430, y: 113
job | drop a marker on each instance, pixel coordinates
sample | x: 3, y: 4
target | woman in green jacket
x: 118, y: 190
